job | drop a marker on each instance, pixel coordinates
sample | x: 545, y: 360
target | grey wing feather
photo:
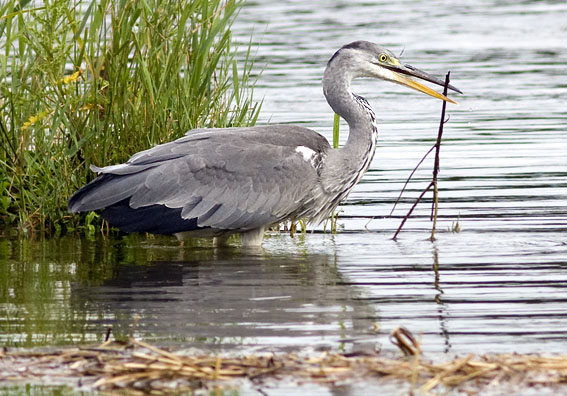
x: 228, y: 179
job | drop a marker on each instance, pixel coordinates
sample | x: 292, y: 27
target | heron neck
x: 354, y: 110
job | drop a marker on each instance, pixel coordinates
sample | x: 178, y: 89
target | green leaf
x: 336, y: 127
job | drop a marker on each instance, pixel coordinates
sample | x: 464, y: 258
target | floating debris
x: 141, y: 368
x: 406, y: 341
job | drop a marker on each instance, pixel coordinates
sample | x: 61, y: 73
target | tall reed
x: 92, y: 82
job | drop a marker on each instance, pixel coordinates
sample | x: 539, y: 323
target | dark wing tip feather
x: 75, y: 203
x: 155, y: 219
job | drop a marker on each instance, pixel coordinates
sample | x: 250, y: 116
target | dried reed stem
x: 139, y: 367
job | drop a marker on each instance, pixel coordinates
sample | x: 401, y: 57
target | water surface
x: 498, y: 285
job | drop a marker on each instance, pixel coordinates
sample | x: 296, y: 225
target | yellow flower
x: 33, y: 119
x: 72, y: 78
x: 26, y: 125
x: 87, y: 107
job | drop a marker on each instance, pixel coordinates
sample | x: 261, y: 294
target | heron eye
x: 383, y: 58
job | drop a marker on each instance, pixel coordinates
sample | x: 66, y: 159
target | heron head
x: 366, y: 59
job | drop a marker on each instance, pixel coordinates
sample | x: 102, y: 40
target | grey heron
x: 220, y: 181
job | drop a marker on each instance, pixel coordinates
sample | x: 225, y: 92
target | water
x: 498, y: 285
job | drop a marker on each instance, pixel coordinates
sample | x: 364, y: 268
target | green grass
x: 94, y: 82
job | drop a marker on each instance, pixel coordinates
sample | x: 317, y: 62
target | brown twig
x: 435, y: 205
x: 409, y: 178
x: 433, y: 184
x: 406, y: 217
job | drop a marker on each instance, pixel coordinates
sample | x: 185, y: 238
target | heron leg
x: 252, y: 237
x: 221, y: 240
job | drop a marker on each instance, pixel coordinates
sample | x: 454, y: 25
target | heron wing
x: 227, y: 179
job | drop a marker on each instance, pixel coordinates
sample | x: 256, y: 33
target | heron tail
x: 107, y: 189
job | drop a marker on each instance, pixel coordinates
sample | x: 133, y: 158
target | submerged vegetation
x: 92, y: 82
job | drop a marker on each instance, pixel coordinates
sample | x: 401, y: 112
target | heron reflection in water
x: 217, y: 182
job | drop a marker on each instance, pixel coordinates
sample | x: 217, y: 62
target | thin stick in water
x: 408, y: 179
x: 435, y: 207
x: 433, y: 184
x: 406, y: 217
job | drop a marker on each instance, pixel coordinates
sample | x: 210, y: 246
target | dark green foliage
x: 94, y: 82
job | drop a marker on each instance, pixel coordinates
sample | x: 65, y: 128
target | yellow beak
x: 408, y: 82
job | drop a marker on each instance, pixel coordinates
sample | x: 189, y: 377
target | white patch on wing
x: 306, y: 152
x: 107, y: 169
